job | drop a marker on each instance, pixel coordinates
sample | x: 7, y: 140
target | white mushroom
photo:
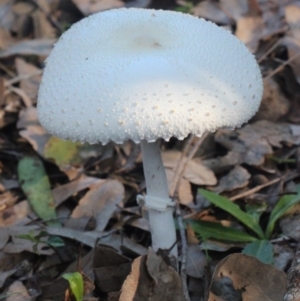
x: 144, y: 74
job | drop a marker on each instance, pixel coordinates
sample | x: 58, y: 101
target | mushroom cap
x: 146, y: 74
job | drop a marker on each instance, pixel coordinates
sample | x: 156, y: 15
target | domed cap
x: 146, y: 74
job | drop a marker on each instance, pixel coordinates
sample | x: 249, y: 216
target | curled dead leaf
x: 241, y: 277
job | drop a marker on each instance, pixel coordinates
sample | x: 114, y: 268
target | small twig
x: 183, y: 253
x: 188, y: 152
x: 285, y: 178
x: 269, y: 51
x: 18, y: 78
x: 5, y: 69
x: 23, y: 95
x: 279, y: 68
x: 255, y: 189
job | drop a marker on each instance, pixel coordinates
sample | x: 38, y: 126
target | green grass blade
x: 282, y: 206
x: 217, y: 231
x: 234, y: 210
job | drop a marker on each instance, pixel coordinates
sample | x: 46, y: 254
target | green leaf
x: 261, y: 249
x: 76, y: 284
x: 66, y: 152
x: 55, y: 241
x: 234, y: 210
x: 63, y: 152
x: 36, y: 186
x: 217, y: 231
x: 255, y: 211
x: 282, y: 206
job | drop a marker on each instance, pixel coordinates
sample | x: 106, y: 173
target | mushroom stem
x: 157, y: 201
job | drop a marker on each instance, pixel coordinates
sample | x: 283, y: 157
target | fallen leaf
x: 238, y: 177
x: 100, y: 202
x: 196, y: 261
x: 274, y: 104
x: 196, y: 172
x: 185, y: 195
x: 18, y: 292
x: 88, y: 7
x: 30, y: 78
x: 39, y: 47
x: 110, y: 268
x: 235, y: 8
x: 13, y: 215
x: 273, y: 17
x: 43, y: 29
x: 290, y: 226
x: 18, y: 245
x: 9, y: 264
x: 31, y: 130
x: 253, y: 142
x: 292, y: 39
x: 36, y: 186
x: 89, y: 238
x: 6, y: 14
x: 211, y: 11
x: 151, y: 279
x: 248, y: 30
x: 63, y: 192
x: 242, y: 277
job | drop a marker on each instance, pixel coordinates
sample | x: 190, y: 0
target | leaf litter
x: 90, y: 192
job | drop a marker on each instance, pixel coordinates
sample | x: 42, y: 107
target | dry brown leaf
x: 39, y: 47
x: 9, y: 264
x: 89, y: 238
x: 18, y: 292
x: 7, y: 199
x: 130, y: 286
x: 235, y: 8
x: 211, y: 11
x: 6, y: 15
x: 273, y: 17
x: 196, y: 172
x: 185, y: 195
x: 100, y: 202
x: 110, y: 268
x: 248, y: 30
x: 196, y: 261
x: 21, y: 26
x: 242, y: 277
x: 237, y: 178
x: 138, y: 222
x: 36, y: 136
x: 292, y: 39
x: 31, y: 130
x: 88, y: 7
x: 30, y: 78
x: 253, y: 142
x: 283, y: 256
x: 13, y: 215
x: 290, y: 226
x: 274, y: 104
x: 43, y: 29
x: 151, y: 279
x: 292, y: 17
x: 61, y: 193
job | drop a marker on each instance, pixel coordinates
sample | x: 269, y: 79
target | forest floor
x: 79, y: 234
